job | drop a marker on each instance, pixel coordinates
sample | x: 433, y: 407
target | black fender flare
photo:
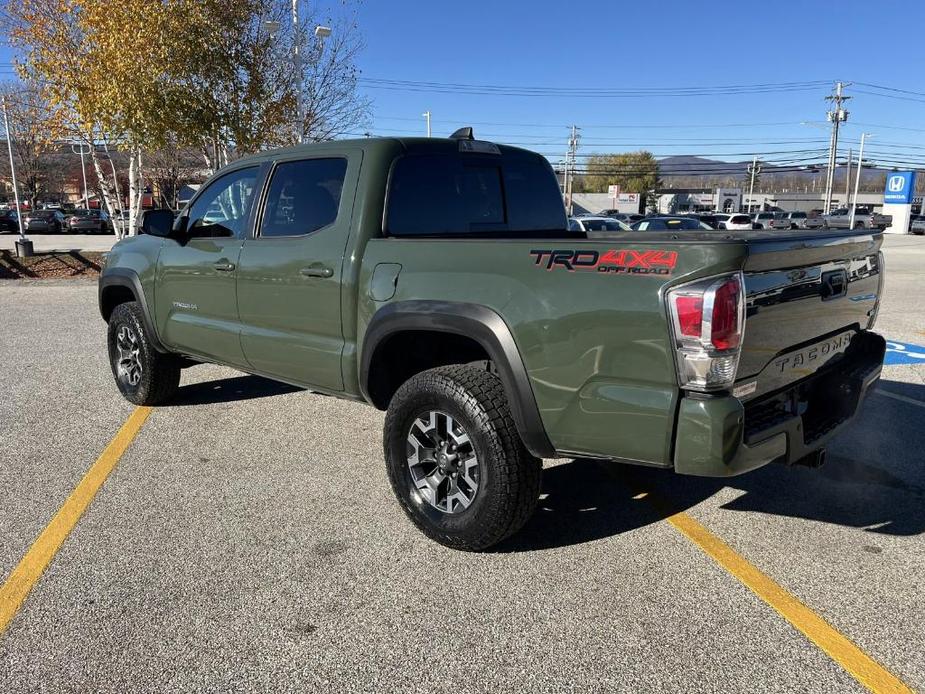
x: 487, y: 328
x: 126, y: 277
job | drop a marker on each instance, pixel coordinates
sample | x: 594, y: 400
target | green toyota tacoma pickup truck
x: 436, y: 279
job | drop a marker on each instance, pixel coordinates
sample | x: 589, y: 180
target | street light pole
x: 24, y: 245
x: 848, y: 179
x: 83, y: 172
x: 297, y: 66
x: 751, y: 189
x: 857, y: 180
x: 426, y: 115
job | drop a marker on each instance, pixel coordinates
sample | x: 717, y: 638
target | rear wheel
x: 455, y: 460
x: 143, y: 375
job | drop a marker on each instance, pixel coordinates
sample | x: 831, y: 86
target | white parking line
x: 901, y: 398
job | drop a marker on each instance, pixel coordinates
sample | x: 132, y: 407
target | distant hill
x: 687, y: 165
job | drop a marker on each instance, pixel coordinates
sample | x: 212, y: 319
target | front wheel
x: 455, y: 460
x: 143, y: 375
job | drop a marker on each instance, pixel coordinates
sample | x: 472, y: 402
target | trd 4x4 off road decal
x: 625, y: 261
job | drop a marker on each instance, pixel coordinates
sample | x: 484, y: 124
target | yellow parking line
x: 856, y: 662
x: 43, y: 550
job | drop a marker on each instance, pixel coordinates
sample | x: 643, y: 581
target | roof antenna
x: 463, y: 134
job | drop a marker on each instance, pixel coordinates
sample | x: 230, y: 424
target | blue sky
x: 597, y: 45
x: 672, y: 43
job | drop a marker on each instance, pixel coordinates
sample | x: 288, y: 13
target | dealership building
x: 681, y: 200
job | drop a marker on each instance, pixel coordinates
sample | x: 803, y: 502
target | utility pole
x: 297, y: 66
x: 23, y: 245
x: 570, y: 162
x: 753, y: 169
x: 857, y: 180
x: 426, y: 115
x: 836, y: 115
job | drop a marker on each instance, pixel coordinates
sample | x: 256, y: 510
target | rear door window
x: 303, y: 197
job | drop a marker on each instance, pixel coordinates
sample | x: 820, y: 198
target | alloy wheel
x: 442, y: 461
x: 128, y: 366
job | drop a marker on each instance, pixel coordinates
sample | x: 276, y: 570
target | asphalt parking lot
x: 248, y: 540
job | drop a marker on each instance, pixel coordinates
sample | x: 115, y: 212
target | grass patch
x: 54, y: 265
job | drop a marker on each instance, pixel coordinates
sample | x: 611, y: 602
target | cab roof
x: 410, y: 145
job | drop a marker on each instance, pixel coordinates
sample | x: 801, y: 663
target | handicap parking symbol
x: 903, y: 353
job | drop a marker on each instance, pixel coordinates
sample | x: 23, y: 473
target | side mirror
x: 157, y: 223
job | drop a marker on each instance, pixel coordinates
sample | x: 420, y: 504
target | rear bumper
x: 721, y: 436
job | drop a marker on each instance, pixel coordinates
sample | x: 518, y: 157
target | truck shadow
x: 874, y: 479
x: 244, y: 387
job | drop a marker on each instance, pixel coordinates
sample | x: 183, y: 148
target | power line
x: 607, y: 92
x: 639, y: 126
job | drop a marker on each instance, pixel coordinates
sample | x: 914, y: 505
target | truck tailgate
x: 806, y: 297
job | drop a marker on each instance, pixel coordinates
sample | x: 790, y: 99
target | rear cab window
x: 510, y: 193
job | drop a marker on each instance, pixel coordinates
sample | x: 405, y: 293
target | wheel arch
x: 120, y: 285
x: 477, y: 325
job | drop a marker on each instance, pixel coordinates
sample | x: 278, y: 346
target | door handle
x: 316, y: 271
x: 223, y: 267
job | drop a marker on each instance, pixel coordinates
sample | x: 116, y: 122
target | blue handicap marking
x: 903, y: 353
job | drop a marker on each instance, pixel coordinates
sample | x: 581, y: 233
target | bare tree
x: 169, y: 168
x: 35, y: 155
x: 332, y: 105
x: 246, y: 80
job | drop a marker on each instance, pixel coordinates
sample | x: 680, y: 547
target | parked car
x: 864, y: 218
x: 794, y: 220
x: 628, y: 217
x: 736, y: 222
x: 89, y: 220
x: 669, y: 223
x: 9, y: 222
x: 120, y: 222
x: 45, y: 221
x: 918, y: 225
x: 781, y: 221
x: 489, y: 334
x: 763, y: 220
x: 710, y: 220
x: 589, y: 223
x: 813, y: 220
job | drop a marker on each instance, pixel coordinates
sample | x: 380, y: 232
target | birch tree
x: 212, y: 74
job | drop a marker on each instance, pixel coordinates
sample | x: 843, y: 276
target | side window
x: 223, y: 207
x: 303, y: 197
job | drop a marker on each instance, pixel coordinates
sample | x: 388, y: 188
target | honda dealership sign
x: 900, y: 185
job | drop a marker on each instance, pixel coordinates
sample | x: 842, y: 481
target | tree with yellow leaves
x: 139, y: 74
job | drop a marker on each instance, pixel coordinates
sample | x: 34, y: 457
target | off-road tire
x: 509, y: 475
x: 159, y: 373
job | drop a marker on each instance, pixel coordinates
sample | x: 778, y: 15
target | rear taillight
x: 708, y: 318
x: 690, y: 315
x: 724, y: 326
